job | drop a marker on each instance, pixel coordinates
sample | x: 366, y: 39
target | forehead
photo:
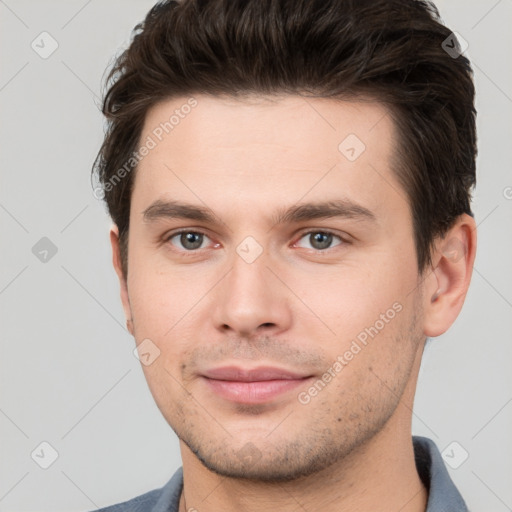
x: 205, y: 120
x: 274, y: 149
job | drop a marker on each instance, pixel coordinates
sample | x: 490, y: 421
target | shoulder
x: 164, y: 499
x: 443, y: 494
x: 143, y: 503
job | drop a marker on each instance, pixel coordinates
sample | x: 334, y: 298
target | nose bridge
x: 249, y: 298
x: 248, y: 272
x: 248, y: 282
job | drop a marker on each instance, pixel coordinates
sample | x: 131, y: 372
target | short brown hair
x: 390, y: 50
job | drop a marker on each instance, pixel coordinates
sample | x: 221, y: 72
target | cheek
x: 350, y: 299
x: 377, y: 361
x: 372, y: 316
x: 150, y: 302
x: 162, y: 302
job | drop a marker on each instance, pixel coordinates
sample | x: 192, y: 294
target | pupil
x: 321, y: 240
x: 191, y: 240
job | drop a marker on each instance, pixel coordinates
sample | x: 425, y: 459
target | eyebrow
x: 344, y: 208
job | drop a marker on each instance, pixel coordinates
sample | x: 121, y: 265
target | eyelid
x: 171, y: 234
x: 343, y: 237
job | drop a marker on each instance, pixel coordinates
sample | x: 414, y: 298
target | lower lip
x: 253, y: 392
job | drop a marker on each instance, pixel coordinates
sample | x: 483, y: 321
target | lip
x: 261, y: 373
x: 252, y: 386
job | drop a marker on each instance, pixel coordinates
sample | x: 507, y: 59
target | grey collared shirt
x: 443, y: 496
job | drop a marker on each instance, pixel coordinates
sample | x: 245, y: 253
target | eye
x: 319, y: 240
x: 189, y: 240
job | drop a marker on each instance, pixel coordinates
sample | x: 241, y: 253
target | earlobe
x: 116, y: 261
x: 447, y: 285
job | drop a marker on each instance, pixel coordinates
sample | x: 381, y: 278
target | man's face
x: 325, y: 309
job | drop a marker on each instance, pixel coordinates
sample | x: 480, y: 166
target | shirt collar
x: 442, y: 493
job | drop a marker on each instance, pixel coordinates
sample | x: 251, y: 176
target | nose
x: 251, y: 301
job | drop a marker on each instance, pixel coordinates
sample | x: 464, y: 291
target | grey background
x: 68, y: 374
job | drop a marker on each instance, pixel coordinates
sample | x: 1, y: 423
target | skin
x: 296, y: 306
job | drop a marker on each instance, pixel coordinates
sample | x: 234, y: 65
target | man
x: 290, y: 188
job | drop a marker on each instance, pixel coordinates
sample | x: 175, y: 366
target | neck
x: 380, y: 475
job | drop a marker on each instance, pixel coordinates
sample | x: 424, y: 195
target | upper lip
x: 262, y: 373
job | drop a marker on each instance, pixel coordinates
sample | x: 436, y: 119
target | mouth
x: 252, y: 386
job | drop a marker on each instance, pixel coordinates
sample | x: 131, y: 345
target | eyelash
x: 194, y: 252
x: 343, y: 240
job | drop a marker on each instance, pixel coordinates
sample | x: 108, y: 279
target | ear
x: 116, y: 260
x: 447, y: 283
